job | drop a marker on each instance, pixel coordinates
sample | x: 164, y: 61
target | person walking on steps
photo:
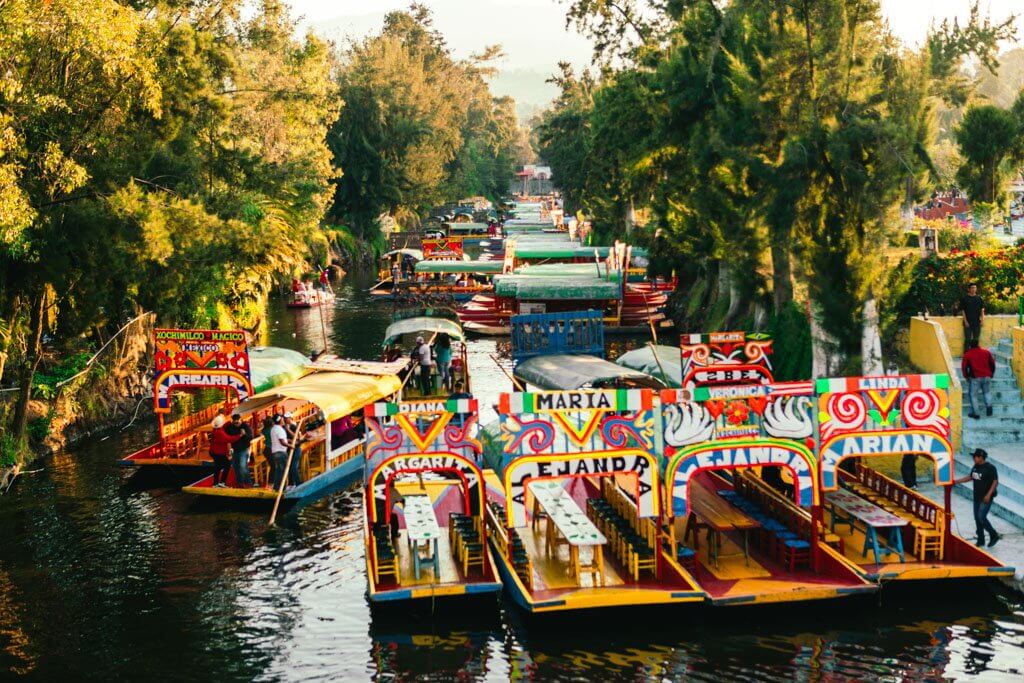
x: 985, y: 478
x: 972, y: 309
x: 978, y: 366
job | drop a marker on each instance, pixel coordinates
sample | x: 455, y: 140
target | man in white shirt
x: 424, y: 356
x: 278, y: 450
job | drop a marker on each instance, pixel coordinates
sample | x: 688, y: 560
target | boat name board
x: 552, y: 401
x: 168, y: 381
x: 521, y: 471
x: 902, y: 442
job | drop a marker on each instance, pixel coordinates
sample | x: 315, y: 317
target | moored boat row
x: 600, y: 485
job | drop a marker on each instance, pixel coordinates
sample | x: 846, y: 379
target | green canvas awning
x: 270, y: 366
x: 559, y: 372
x: 525, y: 287
x: 482, y: 267
x: 663, y: 362
x: 426, y: 327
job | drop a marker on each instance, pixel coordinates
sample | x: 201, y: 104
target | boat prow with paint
x: 891, y: 533
x: 580, y: 524
x: 326, y: 407
x: 400, y: 339
x: 423, y: 502
x: 743, y: 513
x: 190, y: 361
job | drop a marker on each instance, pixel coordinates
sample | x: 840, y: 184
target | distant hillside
x: 528, y: 87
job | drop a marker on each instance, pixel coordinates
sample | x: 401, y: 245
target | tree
x: 990, y: 139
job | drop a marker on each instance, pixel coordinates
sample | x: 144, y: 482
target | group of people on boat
x: 424, y: 359
x: 231, y: 447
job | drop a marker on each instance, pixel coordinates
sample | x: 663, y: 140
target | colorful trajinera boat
x: 400, y: 343
x: 579, y: 524
x: 887, y: 531
x: 310, y: 297
x: 326, y: 407
x: 565, y: 351
x: 551, y: 276
x: 725, y: 450
x: 424, y: 499
x: 193, y: 361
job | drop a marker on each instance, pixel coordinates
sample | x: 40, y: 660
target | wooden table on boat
x: 721, y: 516
x: 848, y: 506
x: 421, y: 527
x: 565, y: 516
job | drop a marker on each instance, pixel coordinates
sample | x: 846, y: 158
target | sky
x: 534, y: 37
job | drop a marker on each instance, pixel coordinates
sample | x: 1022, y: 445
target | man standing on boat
x: 278, y: 451
x: 240, y: 450
x: 424, y: 356
x: 220, y: 444
x: 294, y: 478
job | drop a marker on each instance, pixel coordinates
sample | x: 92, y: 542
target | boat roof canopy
x: 561, y: 372
x: 660, y: 361
x: 424, y: 326
x: 415, y: 253
x: 484, y: 267
x: 270, y: 366
x: 337, y: 394
x: 531, y: 287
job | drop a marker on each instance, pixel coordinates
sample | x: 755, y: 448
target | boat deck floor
x: 853, y: 543
x: 450, y: 571
x: 759, y: 575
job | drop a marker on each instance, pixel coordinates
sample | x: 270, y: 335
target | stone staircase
x: 1002, y: 435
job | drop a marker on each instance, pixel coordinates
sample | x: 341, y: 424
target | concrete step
x: 996, y: 438
x: 994, y: 422
x: 1010, y: 396
x: 1001, y: 409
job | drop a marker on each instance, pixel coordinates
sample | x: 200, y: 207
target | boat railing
x: 191, y: 421
x: 914, y: 503
x: 347, y: 451
x: 500, y: 534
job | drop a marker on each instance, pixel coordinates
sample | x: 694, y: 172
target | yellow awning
x: 337, y: 394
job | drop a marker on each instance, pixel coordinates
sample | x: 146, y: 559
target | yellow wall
x: 994, y: 328
x: 1018, y: 356
x: 929, y: 351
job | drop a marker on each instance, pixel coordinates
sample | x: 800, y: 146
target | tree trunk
x: 782, y: 273
x: 28, y: 370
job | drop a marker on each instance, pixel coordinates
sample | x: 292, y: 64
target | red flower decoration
x: 737, y: 412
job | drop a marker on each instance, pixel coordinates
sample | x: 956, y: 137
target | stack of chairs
x: 780, y: 507
x: 782, y: 542
x: 514, y: 548
x: 464, y: 537
x: 385, y: 560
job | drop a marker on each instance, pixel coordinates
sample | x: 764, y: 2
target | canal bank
x: 105, y: 574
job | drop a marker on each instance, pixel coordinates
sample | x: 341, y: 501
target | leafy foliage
x: 418, y: 127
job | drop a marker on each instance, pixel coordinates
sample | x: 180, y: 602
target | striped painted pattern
x: 384, y: 408
x: 700, y: 394
x: 854, y: 384
x: 529, y: 402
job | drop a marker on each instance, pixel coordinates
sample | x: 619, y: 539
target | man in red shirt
x: 978, y: 366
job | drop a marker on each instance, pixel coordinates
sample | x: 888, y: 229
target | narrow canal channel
x: 105, y: 576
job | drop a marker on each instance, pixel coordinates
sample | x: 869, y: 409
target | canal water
x: 105, y: 576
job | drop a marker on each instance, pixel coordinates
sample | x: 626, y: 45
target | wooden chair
x: 472, y: 556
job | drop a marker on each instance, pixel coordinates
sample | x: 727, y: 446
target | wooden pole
x: 658, y: 361
x: 287, y: 466
x: 515, y: 382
